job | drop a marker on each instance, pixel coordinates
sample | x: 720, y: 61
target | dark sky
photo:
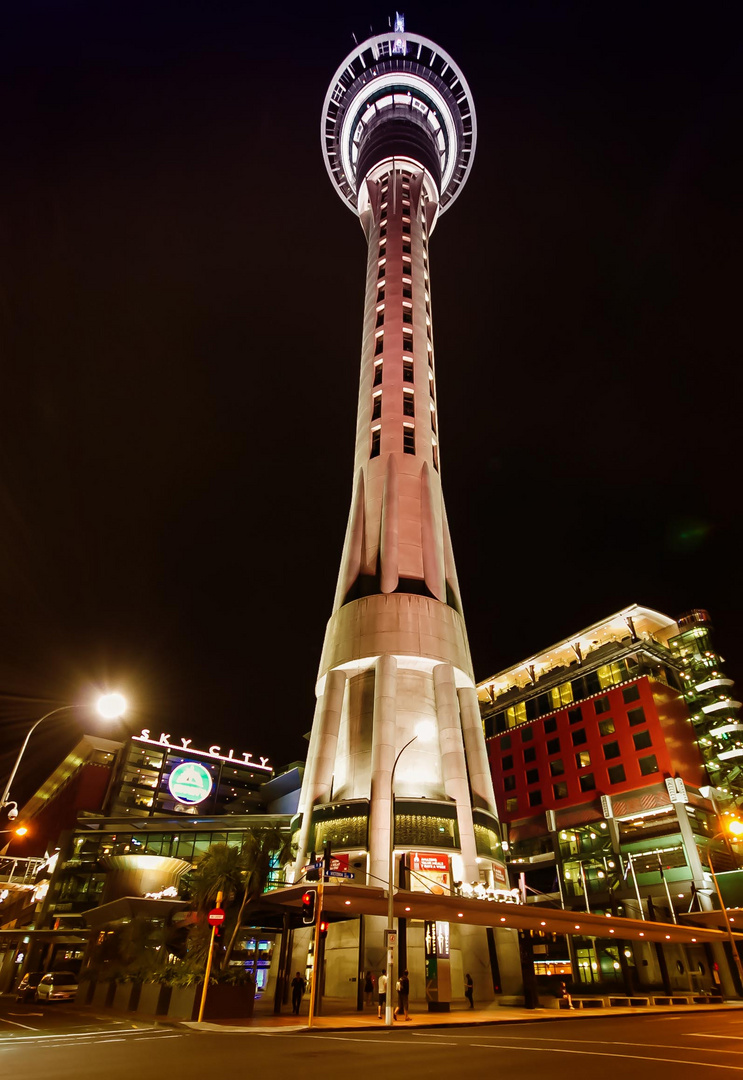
x: 180, y: 319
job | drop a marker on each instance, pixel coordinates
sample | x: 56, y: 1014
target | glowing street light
x: 109, y: 706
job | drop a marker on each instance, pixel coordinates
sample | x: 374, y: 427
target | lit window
x: 606, y: 727
x: 582, y: 759
x: 560, y: 791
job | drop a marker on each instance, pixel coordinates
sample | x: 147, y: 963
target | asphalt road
x: 72, y: 1045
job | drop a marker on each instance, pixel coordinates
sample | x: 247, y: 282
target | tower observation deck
x: 398, y: 138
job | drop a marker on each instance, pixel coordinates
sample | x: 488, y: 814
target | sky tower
x: 398, y: 138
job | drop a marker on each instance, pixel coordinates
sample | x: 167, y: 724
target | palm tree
x: 239, y: 873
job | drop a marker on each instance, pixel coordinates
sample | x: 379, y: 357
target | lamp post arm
x: 62, y: 708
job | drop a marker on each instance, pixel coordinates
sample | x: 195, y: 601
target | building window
x: 530, y: 754
x: 636, y: 716
x: 578, y: 736
x: 380, y: 296
x: 406, y: 227
x: 575, y: 716
x: 553, y: 746
x: 433, y: 421
x: 642, y: 740
x: 383, y: 231
x: 509, y: 782
x: 405, y: 249
x: 382, y: 251
x: 616, y: 774
x: 407, y: 316
x: 381, y: 272
x: 407, y: 342
x: 550, y: 725
x: 560, y: 791
x: 648, y: 765
x: 505, y: 744
x: 376, y: 436
x: 407, y: 292
x: 435, y: 456
x: 380, y: 320
x: 532, y: 776
x: 601, y: 704
x: 582, y: 759
x: 606, y: 727
x: 507, y: 762
x: 408, y: 405
x: 376, y: 407
x: 408, y: 440
x: 527, y: 734
x: 587, y: 782
x: 377, y: 373
x: 557, y: 768
x: 379, y: 347
x: 407, y: 371
x: 512, y: 806
x: 535, y: 798
x: 631, y: 693
x: 611, y: 750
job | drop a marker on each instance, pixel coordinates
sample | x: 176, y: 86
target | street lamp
x: 736, y: 828
x: 425, y: 731
x: 109, y: 706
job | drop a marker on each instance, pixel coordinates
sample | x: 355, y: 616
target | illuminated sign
x: 429, y: 872
x: 190, y: 782
x: 213, y: 751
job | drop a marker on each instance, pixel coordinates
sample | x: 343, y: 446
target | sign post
x: 316, y: 972
x: 216, y: 919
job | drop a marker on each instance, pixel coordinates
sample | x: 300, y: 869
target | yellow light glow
x: 21, y: 830
x: 111, y: 706
x: 735, y: 827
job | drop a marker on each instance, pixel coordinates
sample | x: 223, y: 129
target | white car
x: 57, y: 986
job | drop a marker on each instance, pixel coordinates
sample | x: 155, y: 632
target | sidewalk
x: 339, y: 1015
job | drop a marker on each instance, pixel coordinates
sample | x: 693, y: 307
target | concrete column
x: 321, y: 759
x: 453, y: 764
x: 481, y: 779
x: 383, y: 758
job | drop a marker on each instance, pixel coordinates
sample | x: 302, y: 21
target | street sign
x: 338, y: 873
x: 216, y: 916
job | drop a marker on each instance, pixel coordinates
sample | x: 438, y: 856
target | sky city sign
x: 214, y: 752
x: 190, y: 783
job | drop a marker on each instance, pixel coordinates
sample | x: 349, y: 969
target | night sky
x: 181, y: 296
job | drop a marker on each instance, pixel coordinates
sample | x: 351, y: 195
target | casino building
x: 119, y: 822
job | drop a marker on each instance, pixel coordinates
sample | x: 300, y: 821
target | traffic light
x: 308, y: 906
x: 323, y: 929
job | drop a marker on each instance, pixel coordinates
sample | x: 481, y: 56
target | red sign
x: 216, y: 916
x: 339, y: 862
x: 427, y: 862
x: 429, y: 872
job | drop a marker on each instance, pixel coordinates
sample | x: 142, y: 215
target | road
x: 70, y: 1044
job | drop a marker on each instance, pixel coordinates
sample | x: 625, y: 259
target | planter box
x: 103, y: 994
x: 154, y: 999
x: 223, y: 1002
x: 85, y: 991
x: 123, y: 996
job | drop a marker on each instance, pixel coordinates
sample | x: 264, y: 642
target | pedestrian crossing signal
x: 323, y: 929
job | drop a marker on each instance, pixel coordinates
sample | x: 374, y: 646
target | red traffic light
x: 308, y: 906
x: 323, y: 929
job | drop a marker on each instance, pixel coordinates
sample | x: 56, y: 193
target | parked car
x: 57, y: 986
x: 26, y: 990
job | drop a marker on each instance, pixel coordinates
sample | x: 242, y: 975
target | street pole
x: 637, y: 887
x: 389, y: 1008
x: 733, y: 946
x: 316, y: 974
x: 21, y: 752
x: 668, y: 891
x: 209, y: 963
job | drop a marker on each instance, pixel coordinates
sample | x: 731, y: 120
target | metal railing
x: 20, y: 871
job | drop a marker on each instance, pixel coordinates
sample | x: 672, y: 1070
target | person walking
x: 403, y: 993
x: 382, y: 992
x: 469, y: 989
x: 297, y: 991
x: 368, y: 988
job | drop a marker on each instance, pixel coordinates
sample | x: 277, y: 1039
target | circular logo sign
x: 190, y: 782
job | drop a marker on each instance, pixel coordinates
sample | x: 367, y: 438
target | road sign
x: 216, y: 916
x: 338, y: 873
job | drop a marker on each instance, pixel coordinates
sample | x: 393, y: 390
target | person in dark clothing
x: 469, y: 989
x: 297, y: 991
x: 368, y: 988
x: 403, y: 993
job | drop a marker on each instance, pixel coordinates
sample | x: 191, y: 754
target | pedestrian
x: 297, y: 991
x: 469, y: 989
x: 368, y: 988
x: 566, y: 997
x: 403, y: 993
x: 382, y: 992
